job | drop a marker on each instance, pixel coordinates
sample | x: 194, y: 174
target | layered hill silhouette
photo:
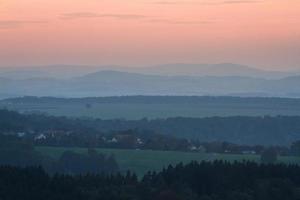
x: 177, y: 69
x: 117, y: 83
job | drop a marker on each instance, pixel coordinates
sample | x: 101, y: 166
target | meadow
x: 141, y: 161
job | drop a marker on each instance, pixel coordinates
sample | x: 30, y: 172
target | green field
x: 141, y: 161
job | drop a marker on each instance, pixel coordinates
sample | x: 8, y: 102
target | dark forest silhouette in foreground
x: 204, y: 181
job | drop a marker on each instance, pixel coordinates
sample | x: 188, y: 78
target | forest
x: 267, y: 130
x: 216, y: 180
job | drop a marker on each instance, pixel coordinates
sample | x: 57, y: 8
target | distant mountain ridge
x: 222, y: 69
x: 177, y: 69
x: 117, y: 83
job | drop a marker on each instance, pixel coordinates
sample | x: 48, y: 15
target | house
x: 139, y: 141
x: 40, y: 137
x: 114, y: 140
x: 21, y: 134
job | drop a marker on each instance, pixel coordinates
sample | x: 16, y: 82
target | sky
x: 261, y: 33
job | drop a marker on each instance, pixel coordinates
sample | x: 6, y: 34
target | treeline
x: 195, y: 181
x: 129, y: 139
x: 17, y: 152
x: 156, y: 99
x: 11, y: 121
x: 147, y: 140
x: 280, y: 130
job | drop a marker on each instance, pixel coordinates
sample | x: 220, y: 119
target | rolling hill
x: 117, y: 83
x: 175, y: 69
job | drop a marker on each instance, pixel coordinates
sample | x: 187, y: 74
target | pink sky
x: 260, y: 33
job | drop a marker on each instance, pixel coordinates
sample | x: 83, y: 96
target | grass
x: 141, y: 161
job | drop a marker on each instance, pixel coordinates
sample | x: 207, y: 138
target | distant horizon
x: 138, y: 66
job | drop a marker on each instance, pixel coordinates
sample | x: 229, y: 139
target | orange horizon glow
x: 261, y: 33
